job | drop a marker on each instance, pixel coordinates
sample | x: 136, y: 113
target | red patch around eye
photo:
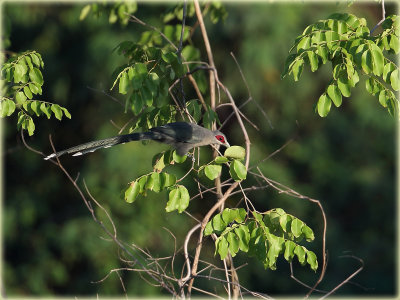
x: 220, y: 138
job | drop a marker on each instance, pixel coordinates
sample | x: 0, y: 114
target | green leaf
x: 394, y: 43
x: 228, y: 215
x: 30, y: 126
x: 45, y: 109
x: 335, y: 95
x: 36, y: 76
x: 66, y: 112
x: 394, y: 79
x: 235, y: 152
x: 158, y: 162
x: 147, y: 96
x: 387, y: 71
x: 123, y: 83
x: 323, y: 52
x: 332, y: 38
x: 153, y: 182
x: 344, y: 85
x: 366, y: 61
x: 178, y: 199
x: 221, y: 160
x: 237, y: 170
x: 35, y: 59
x: 20, y: 97
x: 371, y: 86
x: 284, y: 221
x: 142, y: 182
x: 177, y: 158
x: 20, y: 70
x: 382, y: 98
x: 258, y: 247
x: 304, y: 43
x: 212, y: 171
x: 313, y: 59
x: 244, y: 237
x: 301, y: 254
x: 141, y: 70
x: 241, y: 215
x: 7, y: 107
x: 392, y: 106
x: 274, y: 249
x: 132, y: 192
x: 312, y: 260
x: 167, y: 180
x: 208, y: 229
x: 324, y: 105
x: 218, y: 223
x: 150, y: 181
x: 297, y: 69
x: 289, y: 250
x: 35, y: 106
x: 296, y: 227
x: 377, y: 59
x: 136, y: 103
x: 308, y: 233
x: 221, y: 246
x: 190, y: 53
x: 34, y: 89
x: 233, y: 241
x: 56, y: 109
x: 28, y: 61
x: 185, y: 198
x: 28, y: 92
x: 84, y: 12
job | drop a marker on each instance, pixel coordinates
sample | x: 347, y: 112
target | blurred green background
x: 347, y: 160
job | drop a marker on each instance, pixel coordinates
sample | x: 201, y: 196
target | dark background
x: 347, y: 160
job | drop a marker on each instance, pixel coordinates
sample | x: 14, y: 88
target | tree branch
x: 383, y: 17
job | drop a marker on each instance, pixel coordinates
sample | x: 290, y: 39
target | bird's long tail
x: 106, y: 143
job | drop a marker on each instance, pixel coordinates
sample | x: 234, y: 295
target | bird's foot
x: 191, y: 157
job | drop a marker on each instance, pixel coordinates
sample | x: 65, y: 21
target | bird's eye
x: 220, y: 138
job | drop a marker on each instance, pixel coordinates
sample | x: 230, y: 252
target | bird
x: 182, y: 136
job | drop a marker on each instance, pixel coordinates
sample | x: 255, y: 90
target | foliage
x: 264, y: 236
x: 310, y: 161
x: 118, y: 11
x: 21, y: 80
x: 158, y: 180
x: 344, y: 40
x: 152, y: 67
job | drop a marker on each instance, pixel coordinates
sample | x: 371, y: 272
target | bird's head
x: 220, y: 139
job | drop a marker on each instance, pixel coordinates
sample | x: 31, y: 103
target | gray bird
x: 180, y: 135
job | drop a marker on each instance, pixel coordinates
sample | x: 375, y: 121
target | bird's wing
x: 179, y: 131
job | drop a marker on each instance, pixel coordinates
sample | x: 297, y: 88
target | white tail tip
x: 50, y: 156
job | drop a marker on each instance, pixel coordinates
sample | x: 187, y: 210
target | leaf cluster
x: 215, y: 10
x: 344, y: 40
x: 159, y: 180
x: 232, y: 157
x: 264, y: 236
x: 21, y: 81
x: 118, y: 11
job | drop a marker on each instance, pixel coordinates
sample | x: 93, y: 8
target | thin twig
x: 108, y: 95
x: 137, y: 20
x: 383, y: 17
x: 111, y: 235
x: 286, y: 190
x: 249, y: 92
x: 348, y: 278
